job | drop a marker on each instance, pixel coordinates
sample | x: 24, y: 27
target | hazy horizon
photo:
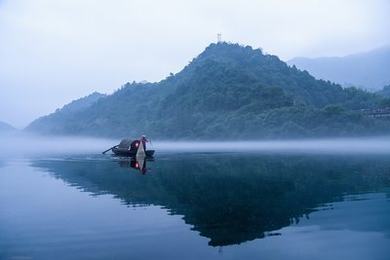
x: 55, y: 52
x: 28, y: 145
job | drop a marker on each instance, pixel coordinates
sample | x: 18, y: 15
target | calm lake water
x: 212, y: 205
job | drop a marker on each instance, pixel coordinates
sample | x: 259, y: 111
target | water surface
x: 213, y: 205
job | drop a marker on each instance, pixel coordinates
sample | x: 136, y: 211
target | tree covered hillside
x: 227, y: 92
x: 385, y: 91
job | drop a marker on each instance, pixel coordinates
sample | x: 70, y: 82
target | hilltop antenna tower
x: 219, y: 37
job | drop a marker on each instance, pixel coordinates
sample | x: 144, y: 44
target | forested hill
x: 227, y: 92
x: 385, y: 91
x: 57, y: 120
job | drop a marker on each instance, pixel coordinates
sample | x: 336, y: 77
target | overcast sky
x: 54, y: 51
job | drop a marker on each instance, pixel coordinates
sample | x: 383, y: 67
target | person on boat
x: 144, y: 140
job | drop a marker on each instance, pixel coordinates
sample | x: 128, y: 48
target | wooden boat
x: 130, y: 148
x: 130, y: 152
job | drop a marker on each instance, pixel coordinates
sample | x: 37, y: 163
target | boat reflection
x: 136, y: 162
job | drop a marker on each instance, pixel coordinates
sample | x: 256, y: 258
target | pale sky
x: 54, y: 51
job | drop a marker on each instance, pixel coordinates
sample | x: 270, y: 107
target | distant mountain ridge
x: 68, y: 112
x: 81, y: 103
x: 229, y: 91
x: 5, y: 127
x: 369, y: 70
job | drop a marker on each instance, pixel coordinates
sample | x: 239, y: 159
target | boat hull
x: 130, y: 153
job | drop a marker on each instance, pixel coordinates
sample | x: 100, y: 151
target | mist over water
x: 34, y: 145
x: 377, y: 145
x: 15, y: 145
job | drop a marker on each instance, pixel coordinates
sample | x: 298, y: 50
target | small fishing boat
x: 126, y: 152
x: 130, y: 148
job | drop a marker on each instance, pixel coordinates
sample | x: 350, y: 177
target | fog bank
x: 373, y: 145
x: 12, y: 145
x: 32, y: 145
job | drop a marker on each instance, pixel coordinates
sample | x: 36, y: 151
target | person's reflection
x: 138, y: 163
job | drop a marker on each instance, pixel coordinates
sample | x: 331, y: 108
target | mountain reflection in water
x: 230, y: 198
